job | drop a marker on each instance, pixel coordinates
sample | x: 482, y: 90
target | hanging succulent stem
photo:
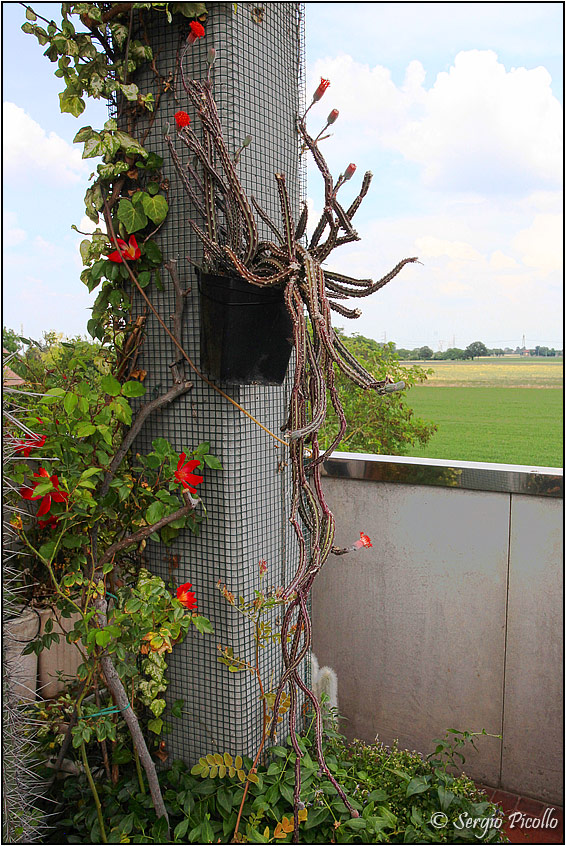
x: 229, y: 235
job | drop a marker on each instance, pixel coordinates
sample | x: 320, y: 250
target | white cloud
x: 30, y: 151
x: 12, y: 235
x: 478, y: 128
x: 463, y: 287
x: 540, y: 245
x: 501, y: 261
x: 430, y: 247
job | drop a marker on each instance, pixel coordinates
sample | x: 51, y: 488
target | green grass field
x: 491, y: 410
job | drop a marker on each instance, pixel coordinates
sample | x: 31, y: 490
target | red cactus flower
x: 197, y: 31
x: 182, y: 119
x: 33, y: 442
x: 54, y: 496
x: 324, y: 83
x: 186, y: 596
x: 131, y: 251
x: 350, y: 170
x: 332, y: 116
x: 184, y: 473
x: 363, y: 541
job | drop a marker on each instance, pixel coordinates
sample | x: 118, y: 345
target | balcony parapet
x: 469, y: 475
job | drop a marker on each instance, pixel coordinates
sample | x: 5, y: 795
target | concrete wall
x: 451, y: 620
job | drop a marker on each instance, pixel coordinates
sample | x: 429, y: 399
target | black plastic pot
x: 246, y: 333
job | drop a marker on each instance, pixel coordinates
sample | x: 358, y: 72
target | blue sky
x: 454, y: 107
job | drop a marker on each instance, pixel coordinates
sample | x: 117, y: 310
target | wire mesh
x: 257, y: 77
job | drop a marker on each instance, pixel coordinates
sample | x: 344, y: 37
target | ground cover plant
x: 401, y: 797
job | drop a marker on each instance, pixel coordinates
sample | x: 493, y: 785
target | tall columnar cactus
x: 22, y: 820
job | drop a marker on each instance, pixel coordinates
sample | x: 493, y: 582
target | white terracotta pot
x: 21, y: 670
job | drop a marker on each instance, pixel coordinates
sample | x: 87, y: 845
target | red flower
x: 363, y: 541
x: 182, y: 119
x: 332, y: 116
x: 350, y: 170
x: 262, y: 568
x: 131, y: 251
x: 186, y: 596
x: 324, y: 83
x: 197, y: 31
x: 184, y: 473
x: 53, y: 496
x: 33, y: 442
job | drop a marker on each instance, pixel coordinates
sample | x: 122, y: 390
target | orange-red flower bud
x: 324, y: 83
x: 350, y: 170
x: 332, y: 116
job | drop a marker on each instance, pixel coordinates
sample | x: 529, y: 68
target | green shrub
x: 399, y: 794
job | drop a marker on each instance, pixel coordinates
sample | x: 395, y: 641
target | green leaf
x: 445, y: 797
x: 30, y: 14
x: 94, y: 146
x: 155, y: 512
x: 130, y: 92
x: 133, y: 389
x: 224, y: 799
x: 156, y: 207
x: 84, y: 134
x: 177, y: 708
x: 212, y: 462
x: 70, y: 402
x: 110, y: 385
x: 202, y: 624
x: 144, y: 278
x: 356, y: 823
x: 417, y: 785
x: 162, y: 447
x: 83, y: 430
x: 102, y: 637
x: 155, y: 725
x: 133, y: 218
x: 152, y: 252
x: 377, y: 796
x: 181, y: 828
x: 71, y: 103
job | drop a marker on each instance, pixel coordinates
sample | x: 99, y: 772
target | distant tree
x: 454, y: 354
x: 439, y: 356
x: 425, y: 353
x: 10, y: 340
x: 403, y: 354
x: 552, y: 351
x: 476, y: 349
x: 54, y: 356
x: 377, y: 424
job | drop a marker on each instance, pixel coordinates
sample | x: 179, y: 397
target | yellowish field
x: 498, y: 373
